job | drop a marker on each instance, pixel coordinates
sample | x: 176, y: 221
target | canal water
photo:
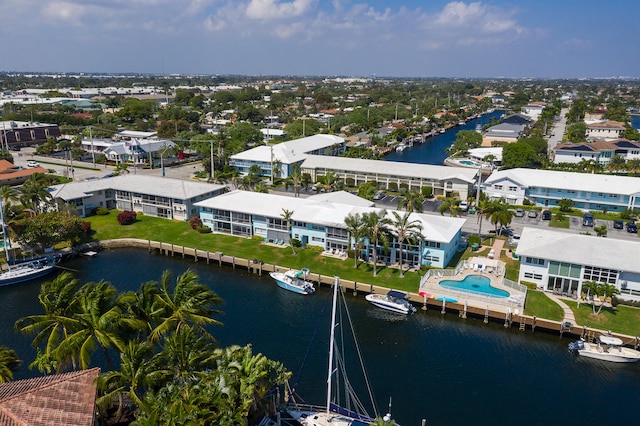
x: 435, y: 367
x: 432, y: 151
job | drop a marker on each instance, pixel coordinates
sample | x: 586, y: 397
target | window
x: 513, y: 188
x: 564, y: 269
x: 532, y: 275
x: 17, y: 136
x: 498, y: 187
x: 317, y: 239
x: 534, y: 260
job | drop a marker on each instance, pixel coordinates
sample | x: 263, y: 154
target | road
x: 557, y: 132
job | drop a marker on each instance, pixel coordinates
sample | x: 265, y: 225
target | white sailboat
x: 25, y: 271
x: 333, y: 413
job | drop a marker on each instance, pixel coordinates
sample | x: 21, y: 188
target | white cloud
x: 274, y: 9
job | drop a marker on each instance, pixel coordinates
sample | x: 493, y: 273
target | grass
x: 106, y: 227
x: 540, y: 305
x: 564, y: 223
x: 621, y: 319
x: 180, y: 233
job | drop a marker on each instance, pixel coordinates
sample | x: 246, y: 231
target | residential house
x: 286, y: 154
x: 562, y: 262
x: 606, y: 130
x: 509, y: 130
x: 10, y: 174
x: 600, y: 151
x: 442, y: 180
x: 53, y: 400
x: 151, y: 195
x: 320, y: 221
x: 546, y: 188
x: 533, y: 110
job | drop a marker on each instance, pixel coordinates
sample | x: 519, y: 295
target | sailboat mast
x: 4, y: 235
x: 331, y: 340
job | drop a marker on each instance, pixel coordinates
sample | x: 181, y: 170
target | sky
x: 397, y: 38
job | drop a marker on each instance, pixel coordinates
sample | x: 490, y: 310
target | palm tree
x: 34, y: 194
x: 186, y: 355
x: 405, y: 229
x: 411, y: 201
x: 136, y: 373
x: 616, y: 163
x: 451, y: 205
x: 8, y: 193
x: 377, y: 229
x: 296, y: 179
x: 330, y: 180
x: 356, y: 229
x: 190, y: 303
x: 100, y: 321
x: 286, y: 217
x: 9, y: 364
x: 58, y: 298
x: 143, y: 306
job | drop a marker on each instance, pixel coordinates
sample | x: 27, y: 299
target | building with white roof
x: 393, y: 175
x: 562, y: 262
x: 135, y: 151
x: 547, y: 187
x: 286, y: 154
x: 600, y: 151
x: 319, y: 221
x: 153, y: 196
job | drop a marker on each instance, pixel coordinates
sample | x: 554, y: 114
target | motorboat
x: 293, y: 280
x: 338, y: 384
x: 605, y: 348
x: 394, y: 301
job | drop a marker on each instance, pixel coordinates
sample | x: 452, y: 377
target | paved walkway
x: 568, y: 313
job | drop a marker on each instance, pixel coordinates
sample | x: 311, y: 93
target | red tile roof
x: 59, y: 399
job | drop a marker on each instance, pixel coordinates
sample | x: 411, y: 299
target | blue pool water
x: 468, y: 163
x: 475, y: 284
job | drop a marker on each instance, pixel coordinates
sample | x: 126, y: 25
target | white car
x: 464, y: 206
x: 32, y: 163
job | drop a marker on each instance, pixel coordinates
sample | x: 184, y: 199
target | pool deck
x: 483, y: 266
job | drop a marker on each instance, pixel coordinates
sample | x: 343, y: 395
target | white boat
x: 392, y: 301
x: 295, y: 281
x: 333, y: 413
x: 605, y: 348
x: 25, y: 271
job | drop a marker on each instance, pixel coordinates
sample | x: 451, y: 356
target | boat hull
x: 22, y: 274
x: 384, y: 302
x: 622, y: 356
x: 291, y: 283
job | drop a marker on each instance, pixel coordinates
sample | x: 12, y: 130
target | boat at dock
x: 394, y: 301
x: 26, y: 270
x: 338, y: 384
x: 293, y: 280
x: 605, y: 348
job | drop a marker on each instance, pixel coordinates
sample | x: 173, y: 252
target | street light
x: 162, y: 157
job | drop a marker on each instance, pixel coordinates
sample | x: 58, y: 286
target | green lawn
x: 621, y: 319
x: 180, y: 233
x: 541, y: 306
x: 564, y: 223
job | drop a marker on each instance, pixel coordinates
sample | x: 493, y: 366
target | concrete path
x: 568, y: 313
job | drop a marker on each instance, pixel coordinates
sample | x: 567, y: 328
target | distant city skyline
x: 404, y: 38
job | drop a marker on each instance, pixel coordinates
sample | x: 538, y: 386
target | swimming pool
x: 477, y: 284
x: 468, y: 163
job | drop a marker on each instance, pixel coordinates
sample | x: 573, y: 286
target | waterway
x: 432, y: 151
x: 436, y: 367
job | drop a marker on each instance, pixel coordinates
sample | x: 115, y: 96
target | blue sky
x: 403, y: 38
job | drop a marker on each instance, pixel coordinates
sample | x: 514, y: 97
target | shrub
x: 86, y: 227
x: 427, y: 191
x: 101, y: 211
x: 203, y: 229
x: 526, y: 202
x: 351, y: 182
x: 529, y: 285
x: 393, y: 187
x: 296, y: 242
x: 195, y: 222
x: 127, y: 217
x: 404, y: 186
x: 474, y: 239
x: 316, y: 248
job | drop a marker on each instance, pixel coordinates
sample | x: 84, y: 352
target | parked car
x: 464, y: 206
x: 519, y: 213
x: 532, y: 214
x: 632, y: 227
x: 546, y: 215
x: 32, y: 163
x: 618, y: 224
x: 587, y: 219
x: 379, y: 196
